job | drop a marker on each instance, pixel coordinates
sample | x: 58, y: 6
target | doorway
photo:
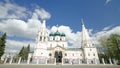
x: 58, y: 56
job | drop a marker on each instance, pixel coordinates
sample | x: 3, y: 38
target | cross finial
x: 57, y: 27
x: 82, y: 21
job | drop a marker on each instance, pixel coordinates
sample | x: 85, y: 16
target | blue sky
x: 70, y: 12
x: 96, y: 13
x: 21, y: 19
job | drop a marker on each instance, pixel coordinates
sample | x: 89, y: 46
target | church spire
x: 86, y: 40
x: 82, y: 21
x: 44, y: 23
x: 42, y: 33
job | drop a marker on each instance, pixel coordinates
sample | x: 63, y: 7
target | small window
x: 60, y: 39
x: 53, y: 38
x: 50, y: 54
x: 41, y: 33
x: 50, y: 45
x: 88, y: 54
x: 65, y: 54
x: 93, y: 54
x: 80, y: 54
x: 44, y: 38
x: 63, y: 45
x: 73, y: 54
x: 90, y: 49
x: 40, y: 38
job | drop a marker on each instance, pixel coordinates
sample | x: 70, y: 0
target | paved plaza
x: 58, y: 66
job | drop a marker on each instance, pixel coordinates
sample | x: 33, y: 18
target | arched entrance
x: 58, y: 56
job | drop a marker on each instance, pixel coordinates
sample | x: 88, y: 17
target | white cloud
x: 14, y: 46
x: 11, y: 22
x: 19, y: 27
x: 14, y: 27
x: 106, y: 28
x: 107, y: 1
x: 29, y: 28
x: 11, y: 10
x: 41, y: 13
x: 106, y: 32
x: 72, y: 38
x: 115, y: 30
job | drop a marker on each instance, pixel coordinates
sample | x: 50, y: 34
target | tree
x: 112, y: 46
x: 28, y: 50
x: 21, y: 52
x: 24, y: 52
x: 2, y: 44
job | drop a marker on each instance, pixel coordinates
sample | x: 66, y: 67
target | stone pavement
x: 57, y: 66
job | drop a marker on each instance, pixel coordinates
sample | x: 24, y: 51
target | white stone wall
x: 74, y: 54
x: 90, y: 53
x: 53, y: 44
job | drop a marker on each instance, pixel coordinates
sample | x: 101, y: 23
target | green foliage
x: 24, y: 52
x: 2, y: 44
x: 112, y: 46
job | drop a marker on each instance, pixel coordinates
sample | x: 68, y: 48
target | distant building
x: 55, y: 45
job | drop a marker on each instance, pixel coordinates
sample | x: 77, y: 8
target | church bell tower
x: 89, y: 50
x: 40, y: 50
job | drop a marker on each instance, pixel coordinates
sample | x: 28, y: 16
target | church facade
x: 55, y: 46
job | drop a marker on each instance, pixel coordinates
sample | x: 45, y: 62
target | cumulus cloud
x: 73, y: 38
x: 14, y: 46
x: 14, y: 27
x: 114, y: 30
x: 11, y: 10
x: 107, y: 1
x: 12, y: 22
x: 41, y: 13
x: 106, y: 32
x: 106, y: 28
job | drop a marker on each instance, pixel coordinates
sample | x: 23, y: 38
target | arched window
x: 65, y: 54
x: 73, y: 54
x: 56, y: 54
x: 50, y: 54
x: 63, y: 45
x: 51, y: 45
x: 60, y: 54
x: 88, y: 54
x: 44, y: 38
x: 80, y: 54
x: 40, y: 38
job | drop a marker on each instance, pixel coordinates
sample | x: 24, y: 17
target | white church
x: 55, y: 46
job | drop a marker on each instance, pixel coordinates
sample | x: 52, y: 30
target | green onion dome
x: 62, y: 34
x: 51, y: 34
x: 57, y: 33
